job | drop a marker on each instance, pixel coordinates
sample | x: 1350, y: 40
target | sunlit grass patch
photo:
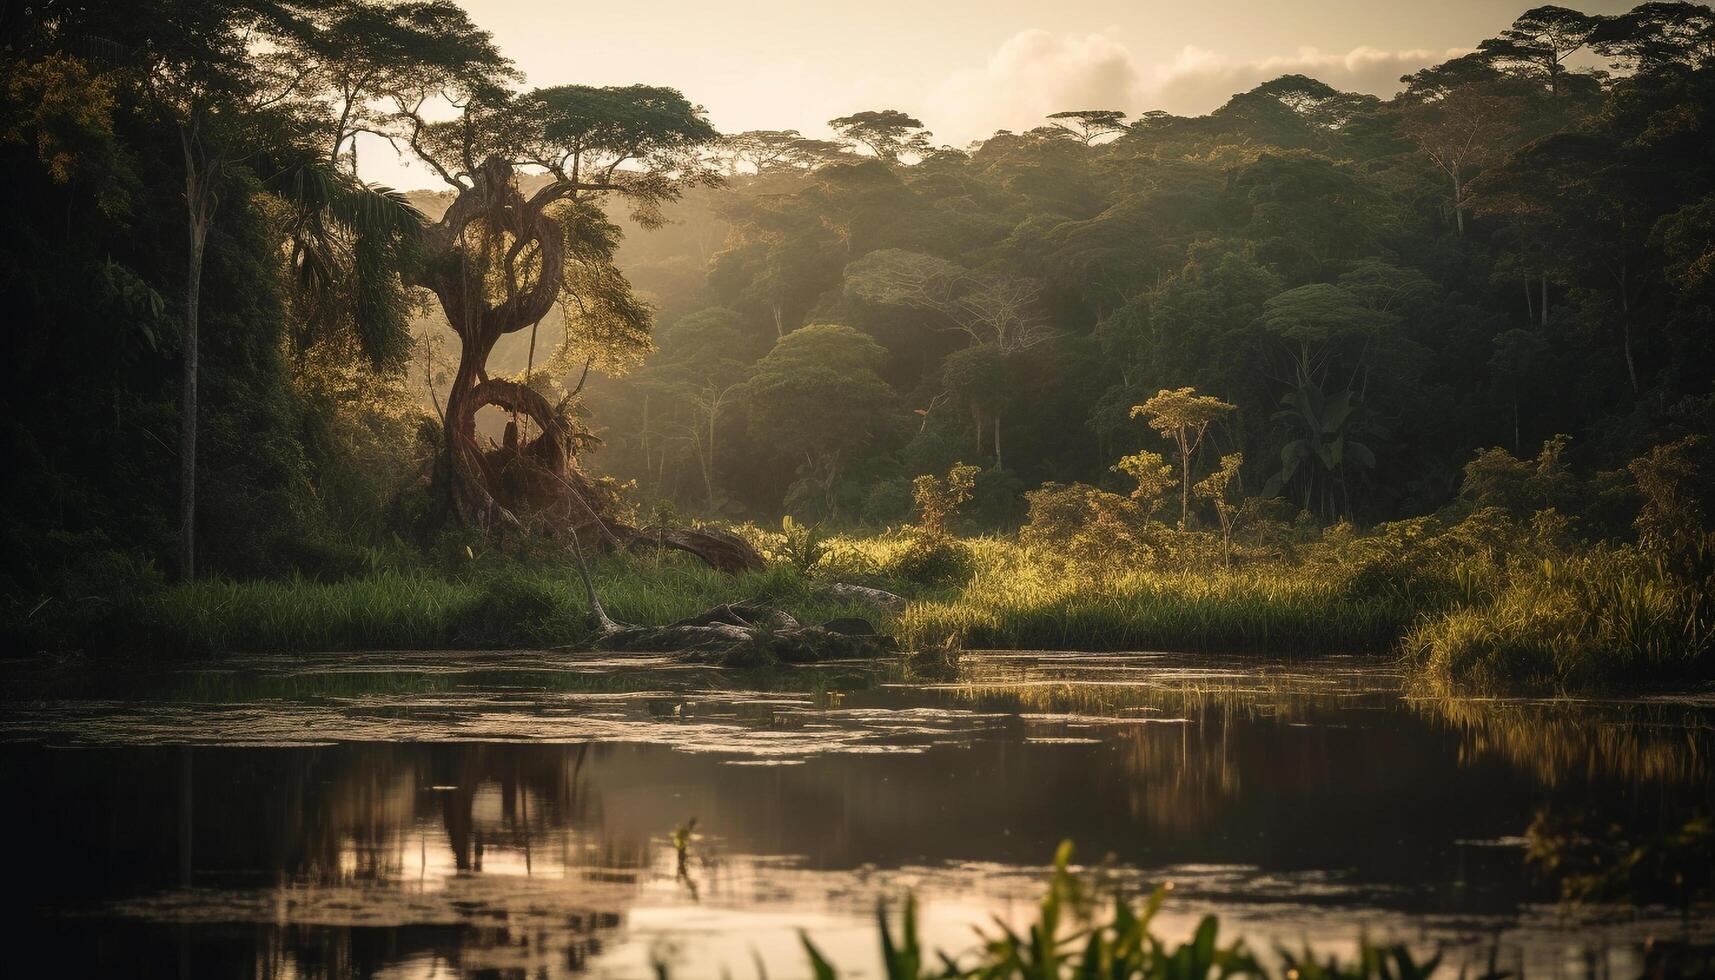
x: 1018, y: 599
x: 1608, y: 616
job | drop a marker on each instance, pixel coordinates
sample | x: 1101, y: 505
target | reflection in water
x: 530, y: 820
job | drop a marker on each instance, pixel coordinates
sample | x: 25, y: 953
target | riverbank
x: 1469, y: 607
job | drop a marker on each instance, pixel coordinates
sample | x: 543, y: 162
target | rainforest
x: 1250, y: 515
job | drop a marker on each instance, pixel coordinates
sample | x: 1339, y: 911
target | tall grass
x: 1021, y: 598
x: 1609, y: 615
x: 489, y: 608
x: 1471, y: 608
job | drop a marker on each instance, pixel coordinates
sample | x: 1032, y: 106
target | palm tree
x: 350, y: 247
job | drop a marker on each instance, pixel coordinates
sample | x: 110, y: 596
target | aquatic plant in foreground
x: 1073, y: 937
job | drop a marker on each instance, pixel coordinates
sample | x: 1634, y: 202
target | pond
x: 514, y: 814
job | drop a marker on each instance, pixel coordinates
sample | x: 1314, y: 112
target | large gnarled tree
x: 503, y: 257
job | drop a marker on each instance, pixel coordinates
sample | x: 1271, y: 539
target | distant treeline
x: 1509, y: 249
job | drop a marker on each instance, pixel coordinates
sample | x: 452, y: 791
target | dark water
x: 513, y: 815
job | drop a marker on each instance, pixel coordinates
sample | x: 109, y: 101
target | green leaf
x: 820, y: 968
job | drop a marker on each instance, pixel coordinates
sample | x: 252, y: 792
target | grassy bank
x: 1477, y: 605
x: 1609, y: 616
x: 516, y: 605
x: 1019, y: 597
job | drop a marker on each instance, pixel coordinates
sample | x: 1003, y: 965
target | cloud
x: 1036, y: 72
x: 1032, y: 74
x: 1200, y: 81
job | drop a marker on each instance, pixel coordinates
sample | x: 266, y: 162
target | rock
x: 850, y: 626
x: 878, y: 598
x: 750, y: 634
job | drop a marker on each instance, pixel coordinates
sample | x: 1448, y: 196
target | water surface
x: 447, y: 815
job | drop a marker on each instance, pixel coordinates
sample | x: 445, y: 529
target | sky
x: 969, y: 67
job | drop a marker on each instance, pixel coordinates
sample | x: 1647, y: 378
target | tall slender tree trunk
x: 188, y: 411
x: 1545, y: 299
x: 997, y: 460
x: 709, y: 460
x: 1458, y: 202
x: 1626, y: 341
x: 1184, y: 483
x: 199, y: 209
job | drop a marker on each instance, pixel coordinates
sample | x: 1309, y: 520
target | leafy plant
x: 939, y: 498
x: 1330, y: 430
x: 1070, y: 940
x: 801, y: 545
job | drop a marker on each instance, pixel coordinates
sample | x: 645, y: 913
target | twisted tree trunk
x: 495, y: 263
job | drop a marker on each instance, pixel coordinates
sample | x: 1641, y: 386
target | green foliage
x: 1604, y: 617
x: 939, y: 498
x: 1184, y: 417
x: 931, y: 560
x: 1074, y: 936
x: 1379, y: 290
x: 1100, y: 529
x: 1670, y: 523
x: 483, y: 599
x: 1327, y: 431
x: 800, y: 544
x: 1596, y: 861
x: 1152, y: 474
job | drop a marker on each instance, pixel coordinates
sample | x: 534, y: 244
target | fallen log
x: 746, y: 634
x: 735, y: 634
x: 722, y: 551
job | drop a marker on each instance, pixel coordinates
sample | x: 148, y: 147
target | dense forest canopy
x: 1514, y: 246
x: 1520, y: 244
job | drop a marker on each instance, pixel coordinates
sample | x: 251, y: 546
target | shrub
x: 939, y: 498
x: 1089, y: 525
x: 932, y: 560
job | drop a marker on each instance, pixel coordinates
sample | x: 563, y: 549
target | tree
x: 1183, y: 416
x: 701, y: 364
x: 1514, y: 368
x: 198, y: 73
x: 1001, y: 310
x: 1089, y: 125
x: 1312, y: 320
x: 939, y: 498
x: 367, y: 53
x: 242, y: 84
x: 1327, y: 431
x: 1540, y: 41
x: 498, y: 262
x: 983, y: 379
x: 816, y: 398
x: 1152, y: 475
x: 760, y: 149
x: 1672, y: 482
x: 1317, y: 114
x: 1653, y: 37
x: 1580, y: 192
x: 1216, y: 488
x: 1459, y: 131
x: 887, y: 133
